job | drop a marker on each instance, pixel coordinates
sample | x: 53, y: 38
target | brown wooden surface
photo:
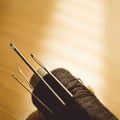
x: 51, y: 30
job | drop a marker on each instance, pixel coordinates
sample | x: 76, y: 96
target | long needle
x: 36, y: 73
x: 33, y: 94
x: 39, y: 63
x: 21, y: 72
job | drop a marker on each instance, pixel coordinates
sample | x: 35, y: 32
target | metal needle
x: 33, y: 94
x: 36, y: 73
x: 38, y: 61
x: 21, y: 72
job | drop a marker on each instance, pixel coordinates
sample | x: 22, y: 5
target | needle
x: 21, y: 72
x: 38, y: 61
x: 36, y: 73
x: 33, y: 94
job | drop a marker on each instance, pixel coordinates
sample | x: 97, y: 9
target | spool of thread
x: 83, y: 106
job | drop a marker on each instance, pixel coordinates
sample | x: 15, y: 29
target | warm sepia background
x: 82, y: 36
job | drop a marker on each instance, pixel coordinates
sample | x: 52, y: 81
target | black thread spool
x: 83, y: 106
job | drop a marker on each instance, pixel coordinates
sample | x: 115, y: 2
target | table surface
x: 52, y: 31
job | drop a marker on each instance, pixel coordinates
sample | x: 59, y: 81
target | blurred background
x: 82, y: 36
